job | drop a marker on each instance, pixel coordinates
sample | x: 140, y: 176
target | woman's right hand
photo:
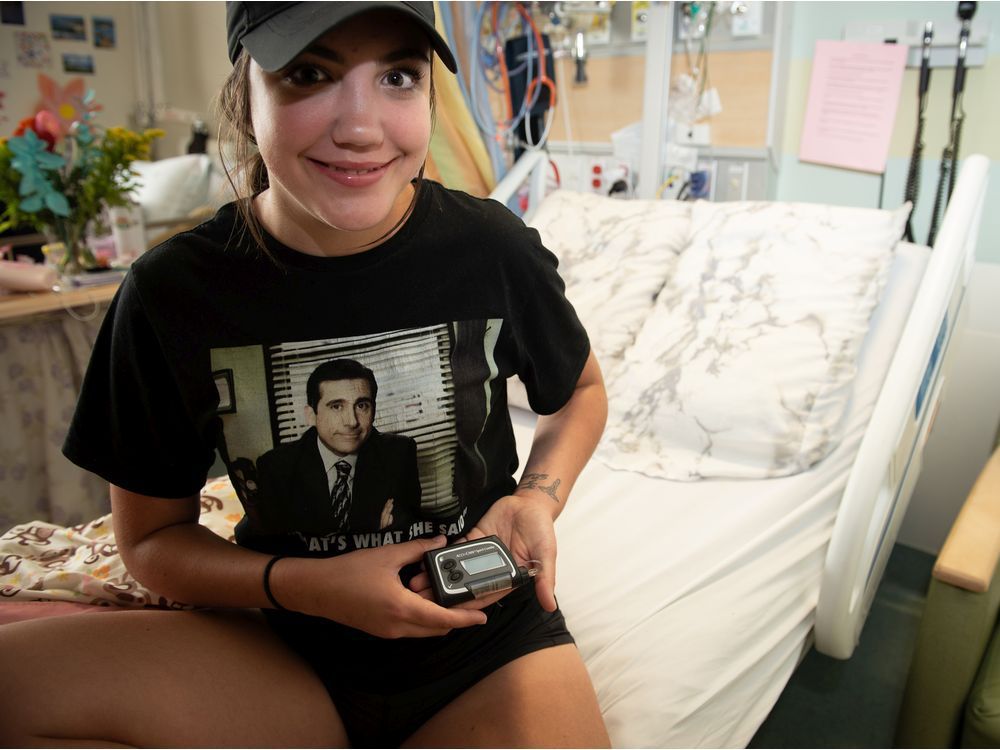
x: 362, y: 589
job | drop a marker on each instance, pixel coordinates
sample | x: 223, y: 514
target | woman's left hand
x: 526, y: 526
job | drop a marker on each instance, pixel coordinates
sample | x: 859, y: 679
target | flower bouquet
x: 59, y: 177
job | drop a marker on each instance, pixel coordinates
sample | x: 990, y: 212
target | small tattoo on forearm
x: 534, y: 482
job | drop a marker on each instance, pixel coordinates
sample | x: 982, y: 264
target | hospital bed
x: 695, y: 578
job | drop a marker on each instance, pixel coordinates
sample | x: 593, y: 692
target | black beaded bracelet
x: 267, y: 582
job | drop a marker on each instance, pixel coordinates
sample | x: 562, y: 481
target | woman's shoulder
x: 487, y: 221
x: 206, y: 243
x: 459, y: 202
x: 194, y: 261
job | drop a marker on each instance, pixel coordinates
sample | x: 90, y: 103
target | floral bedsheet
x: 41, y: 561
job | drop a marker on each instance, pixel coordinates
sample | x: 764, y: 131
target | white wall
x: 114, y: 78
x: 966, y: 424
x: 192, y: 39
x: 192, y: 45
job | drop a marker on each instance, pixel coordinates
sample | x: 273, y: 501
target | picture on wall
x: 104, y: 32
x: 12, y: 13
x: 75, y: 63
x: 33, y: 49
x: 68, y: 27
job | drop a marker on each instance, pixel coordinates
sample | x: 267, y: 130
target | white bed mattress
x: 692, y: 603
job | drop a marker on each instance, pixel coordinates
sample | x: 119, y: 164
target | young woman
x: 340, y: 252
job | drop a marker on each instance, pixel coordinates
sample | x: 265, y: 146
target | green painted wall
x: 797, y: 180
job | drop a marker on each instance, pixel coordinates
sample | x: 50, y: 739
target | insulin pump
x: 473, y: 570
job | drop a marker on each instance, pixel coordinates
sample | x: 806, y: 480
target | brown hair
x: 247, y: 174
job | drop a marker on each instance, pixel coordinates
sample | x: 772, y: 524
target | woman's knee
x: 158, y: 678
x: 543, y: 699
x: 30, y: 678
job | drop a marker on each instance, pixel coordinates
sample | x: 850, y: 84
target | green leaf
x: 57, y: 203
x: 31, y: 183
x: 83, y: 136
x: 32, y: 204
x: 21, y: 144
x: 23, y: 163
x: 48, y: 160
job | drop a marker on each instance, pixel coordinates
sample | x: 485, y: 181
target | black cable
x: 957, y: 140
x: 912, y: 189
x: 946, y: 174
x: 949, y: 157
x: 944, y: 179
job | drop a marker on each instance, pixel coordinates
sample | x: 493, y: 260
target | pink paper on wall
x: 853, y: 97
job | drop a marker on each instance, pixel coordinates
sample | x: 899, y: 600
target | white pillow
x: 614, y: 255
x: 744, y: 367
x: 172, y: 188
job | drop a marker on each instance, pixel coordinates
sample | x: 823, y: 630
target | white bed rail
x: 530, y: 168
x: 883, y: 475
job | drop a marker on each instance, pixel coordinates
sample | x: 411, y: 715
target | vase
x: 67, y: 249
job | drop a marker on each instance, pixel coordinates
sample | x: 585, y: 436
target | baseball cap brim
x: 279, y: 39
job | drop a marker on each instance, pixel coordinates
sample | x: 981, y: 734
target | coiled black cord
x: 946, y: 174
x: 913, y: 173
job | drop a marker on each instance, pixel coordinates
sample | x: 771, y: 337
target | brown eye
x: 306, y: 75
x: 402, y: 78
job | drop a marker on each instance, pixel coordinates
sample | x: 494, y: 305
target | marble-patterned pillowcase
x: 615, y: 256
x: 744, y: 367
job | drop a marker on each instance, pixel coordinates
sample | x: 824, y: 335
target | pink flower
x: 46, y: 126
x: 67, y: 103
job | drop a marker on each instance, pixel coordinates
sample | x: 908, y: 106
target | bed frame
x: 889, y: 459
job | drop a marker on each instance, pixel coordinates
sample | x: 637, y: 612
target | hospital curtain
x: 458, y: 158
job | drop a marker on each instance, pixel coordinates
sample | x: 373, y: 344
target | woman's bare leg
x: 159, y: 679
x: 544, y: 699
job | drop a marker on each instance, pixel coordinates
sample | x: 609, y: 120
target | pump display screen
x: 486, y: 562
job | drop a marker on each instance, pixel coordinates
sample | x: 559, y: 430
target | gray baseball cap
x: 274, y: 33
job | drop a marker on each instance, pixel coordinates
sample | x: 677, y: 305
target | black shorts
x: 385, y: 690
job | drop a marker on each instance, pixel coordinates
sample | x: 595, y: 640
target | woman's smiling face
x: 343, y: 130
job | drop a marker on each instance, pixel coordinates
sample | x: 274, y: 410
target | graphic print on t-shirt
x: 340, y: 444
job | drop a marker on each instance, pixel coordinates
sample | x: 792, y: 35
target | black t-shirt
x: 209, y: 345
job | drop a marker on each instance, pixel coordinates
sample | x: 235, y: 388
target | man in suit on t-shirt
x: 342, y: 474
